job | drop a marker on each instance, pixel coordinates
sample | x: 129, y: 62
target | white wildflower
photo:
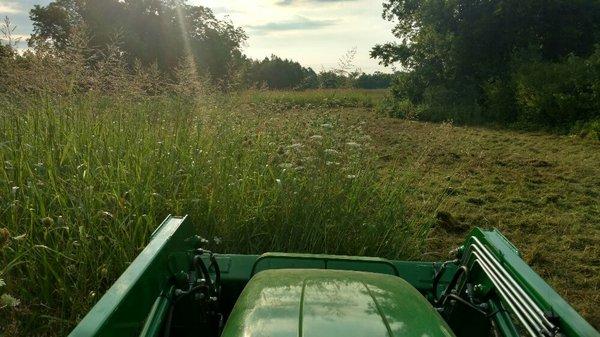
x: 332, y: 151
x: 7, y: 300
x: 217, y: 240
x: 351, y: 176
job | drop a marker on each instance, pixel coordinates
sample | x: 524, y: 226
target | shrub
x: 376, y: 80
x: 499, y: 103
x: 558, y: 94
x: 590, y: 130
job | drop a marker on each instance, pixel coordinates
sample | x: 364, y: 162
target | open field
x: 84, y: 182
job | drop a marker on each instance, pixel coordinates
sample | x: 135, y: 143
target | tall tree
x: 278, y: 73
x: 161, y: 31
x: 462, y: 44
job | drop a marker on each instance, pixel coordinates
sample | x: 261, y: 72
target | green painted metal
x: 570, y: 323
x: 158, y: 313
x: 503, y: 320
x: 138, y: 302
x: 315, y: 303
x: 241, y: 267
x: 318, y: 261
x: 124, y: 308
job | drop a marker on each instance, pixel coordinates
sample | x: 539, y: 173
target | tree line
x: 527, y: 63
x: 277, y: 73
x: 163, y: 33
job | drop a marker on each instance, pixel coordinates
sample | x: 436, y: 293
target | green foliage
x: 277, y: 73
x: 556, y: 94
x: 320, y: 98
x: 499, y: 101
x: 161, y: 31
x: 590, y: 129
x: 377, y: 80
x: 331, y: 80
x: 392, y: 107
x: 495, y: 61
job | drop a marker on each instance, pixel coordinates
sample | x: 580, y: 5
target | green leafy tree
x: 331, y: 79
x: 377, y: 80
x: 278, y: 73
x: 153, y: 31
x: 455, y: 51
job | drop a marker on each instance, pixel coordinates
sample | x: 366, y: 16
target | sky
x: 316, y: 33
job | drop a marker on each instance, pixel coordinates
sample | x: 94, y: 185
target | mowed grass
x: 84, y: 181
x: 541, y: 190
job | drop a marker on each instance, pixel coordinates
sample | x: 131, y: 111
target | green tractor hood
x: 324, y: 303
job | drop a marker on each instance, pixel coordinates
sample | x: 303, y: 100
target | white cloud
x: 314, y: 32
x: 21, y: 37
x: 10, y: 8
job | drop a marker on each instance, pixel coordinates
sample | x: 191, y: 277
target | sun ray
x: 189, y: 55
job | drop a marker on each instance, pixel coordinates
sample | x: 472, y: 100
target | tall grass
x: 84, y: 180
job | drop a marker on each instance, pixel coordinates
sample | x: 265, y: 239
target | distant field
x: 327, y: 98
x: 85, y: 181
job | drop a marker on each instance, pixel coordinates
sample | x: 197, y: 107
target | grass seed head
x: 48, y: 221
x: 4, y: 236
